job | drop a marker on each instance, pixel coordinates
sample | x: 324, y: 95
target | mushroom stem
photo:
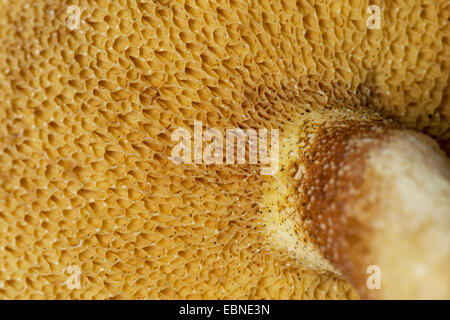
x: 376, y: 202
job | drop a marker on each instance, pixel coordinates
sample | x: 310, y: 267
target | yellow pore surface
x: 86, y: 118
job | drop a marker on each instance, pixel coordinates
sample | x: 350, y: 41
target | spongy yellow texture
x: 86, y: 117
